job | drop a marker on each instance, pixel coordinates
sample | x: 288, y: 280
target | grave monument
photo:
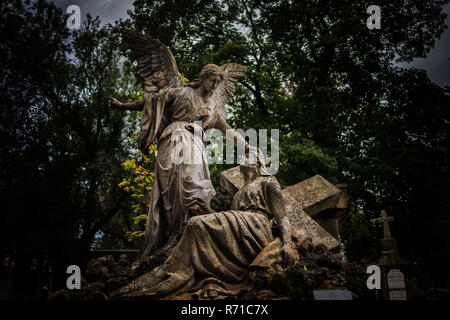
x: 393, y: 267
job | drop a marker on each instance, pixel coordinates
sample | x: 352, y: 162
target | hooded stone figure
x: 177, y: 115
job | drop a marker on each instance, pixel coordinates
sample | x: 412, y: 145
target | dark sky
x: 107, y: 10
x: 436, y: 64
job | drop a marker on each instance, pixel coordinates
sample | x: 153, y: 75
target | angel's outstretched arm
x: 137, y: 105
x: 222, y: 125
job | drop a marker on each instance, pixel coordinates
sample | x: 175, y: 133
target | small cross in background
x: 384, y: 219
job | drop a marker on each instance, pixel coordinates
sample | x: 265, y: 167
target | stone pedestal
x: 393, y: 268
x: 394, y: 280
x: 393, y: 271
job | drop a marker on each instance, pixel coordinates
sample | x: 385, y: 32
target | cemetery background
x: 317, y: 73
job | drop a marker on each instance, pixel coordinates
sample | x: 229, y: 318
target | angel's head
x: 211, y: 77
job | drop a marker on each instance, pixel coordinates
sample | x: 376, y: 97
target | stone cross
x: 384, y: 219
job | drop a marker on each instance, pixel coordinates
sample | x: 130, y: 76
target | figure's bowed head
x: 253, y: 167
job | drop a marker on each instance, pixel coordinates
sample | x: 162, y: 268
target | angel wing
x: 225, y: 90
x: 156, y: 63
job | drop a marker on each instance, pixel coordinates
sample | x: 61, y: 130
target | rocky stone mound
x: 105, y: 275
x: 316, y: 269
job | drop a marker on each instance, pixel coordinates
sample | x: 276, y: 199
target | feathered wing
x: 158, y: 67
x: 156, y: 63
x: 224, y: 92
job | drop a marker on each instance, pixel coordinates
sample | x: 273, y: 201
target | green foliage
x: 359, y: 237
x: 137, y: 182
x: 134, y: 234
x: 298, y: 152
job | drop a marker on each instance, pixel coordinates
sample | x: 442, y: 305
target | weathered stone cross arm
x: 385, y: 219
x: 302, y: 201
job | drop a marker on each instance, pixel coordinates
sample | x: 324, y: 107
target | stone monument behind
x: 393, y: 268
x: 312, y: 205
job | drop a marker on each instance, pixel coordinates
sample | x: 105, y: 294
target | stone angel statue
x: 177, y: 115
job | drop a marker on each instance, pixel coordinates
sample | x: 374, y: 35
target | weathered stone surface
x: 321, y: 200
x: 116, y: 254
x: 146, y: 264
x: 66, y: 295
x: 305, y: 227
x: 222, y: 200
x: 232, y: 180
x: 97, y: 270
x: 340, y: 294
x: 396, y: 279
x: 320, y: 265
x: 114, y: 284
x: 342, y: 202
x: 314, y: 194
x: 98, y: 296
x: 318, y: 268
x: 329, y: 221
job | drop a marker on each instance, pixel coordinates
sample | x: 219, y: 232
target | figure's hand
x: 290, y: 255
x: 200, y: 207
x: 113, y: 103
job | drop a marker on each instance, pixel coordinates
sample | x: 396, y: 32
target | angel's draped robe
x: 181, y: 169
